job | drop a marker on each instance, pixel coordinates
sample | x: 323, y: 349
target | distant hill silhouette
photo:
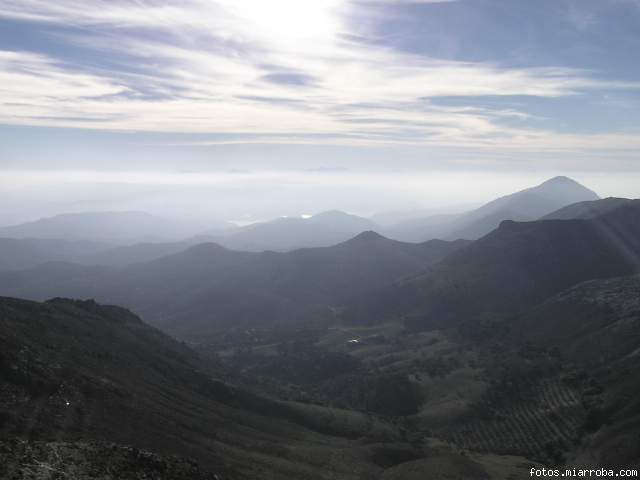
x: 284, y: 234
x: 136, y: 253
x: 588, y: 209
x: 526, y: 205
x: 208, y: 287
x: 22, y: 253
x: 17, y: 254
x: 110, y: 227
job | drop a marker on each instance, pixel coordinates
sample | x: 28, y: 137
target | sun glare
x: 286, y: 21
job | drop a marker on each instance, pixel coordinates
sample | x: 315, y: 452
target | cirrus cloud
x: 275, y: 72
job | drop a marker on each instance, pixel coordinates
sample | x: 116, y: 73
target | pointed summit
x: 526, y: 205
x: 534, y: 202
x: 566, y: 187
x: 367, y: 237
x: 560, y: 179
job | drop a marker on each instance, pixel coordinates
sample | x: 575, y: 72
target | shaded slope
x: 207, y: 287
x: 561, y: 379
x: 21, y: 459
x: 23, y: 253
x: 595, y: 327
x: 590, y: 209
x: 117, y: 227
x: 17, y: 254
x: 129, y: 254
x: 297, y: 288
x: 514, y: 267
x: 75, y: 371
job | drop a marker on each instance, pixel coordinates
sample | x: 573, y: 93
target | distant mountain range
x: 118, y: 238
x: 121, y: 238
x: 20, y: 253
x: 284, y: 234
x: 329, y: 228
x: 526, y: 205
x: 208, y: 287
x: 106, y: 227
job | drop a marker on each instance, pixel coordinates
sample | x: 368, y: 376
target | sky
x: 250, y: 109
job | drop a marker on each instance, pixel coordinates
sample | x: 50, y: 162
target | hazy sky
x: 257, y: 108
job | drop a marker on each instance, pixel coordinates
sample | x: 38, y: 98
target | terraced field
x: 477, y: 396
x: 547, y: 417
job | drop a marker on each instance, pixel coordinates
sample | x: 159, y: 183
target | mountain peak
x: 368, y: 236
x: 331, y: 214
x: 562, y: 185
x: 560, y: 179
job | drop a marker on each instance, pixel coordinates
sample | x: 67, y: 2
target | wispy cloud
x: 283, y: 71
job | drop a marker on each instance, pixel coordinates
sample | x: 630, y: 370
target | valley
x: 369, y: 359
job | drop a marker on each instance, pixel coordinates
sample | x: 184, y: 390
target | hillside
x: 77, y: 372
x: 109, y: 227
x: 595, y: 327
x: 561, y: 379
x: 289, y: 233
x: 590, y: 209
x: 24, y: 253
x: 90, y: 460
x: 83, y: 382
x: 512, y: 268
x: 16, y: 254
x: 129, y: 254
x: 554, y: 384
x: 207, y: 287
x: 536, y: 201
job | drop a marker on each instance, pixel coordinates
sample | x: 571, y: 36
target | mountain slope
x: 562, y: 379
x: 115, y: 227
x: 20, y: 459
x: 595, y: 327
x: 283, y: 234
x: 305, y: 286
x: 515, y: 266
x: 80, y: 372
x: 525, y: 205
x: 589, y: 209
x: 207, y: 287
x: 539, y: 200
x: 22, y: 253
x: 129, y: 254
x: 421, y: 229
x: 474, y: 228
x: 16, y: 254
